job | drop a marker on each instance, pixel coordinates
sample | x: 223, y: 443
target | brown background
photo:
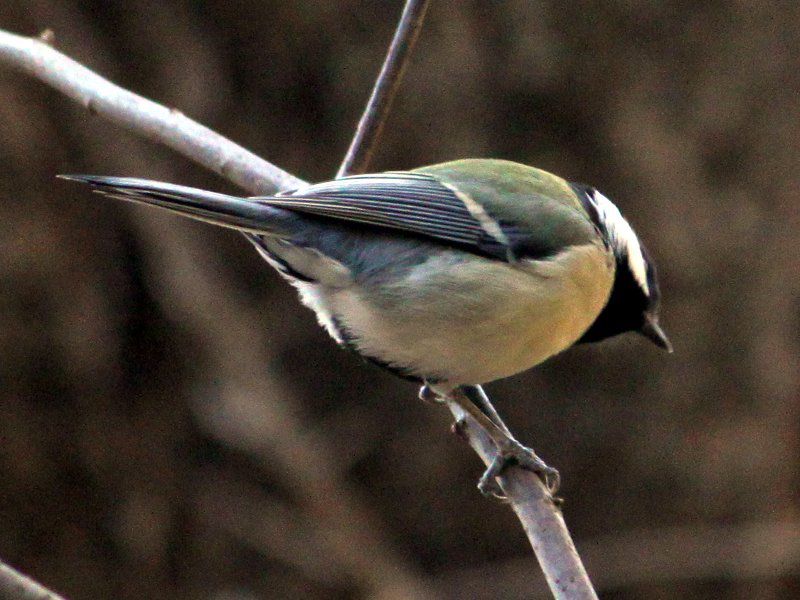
x: 173, y: 424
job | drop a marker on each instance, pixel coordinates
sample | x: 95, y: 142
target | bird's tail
x: 219, y: 209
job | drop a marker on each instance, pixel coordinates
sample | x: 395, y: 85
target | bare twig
x: 145, y: 117
x: 14, y: 585
x: 541, y: 519
x: 371, y: 124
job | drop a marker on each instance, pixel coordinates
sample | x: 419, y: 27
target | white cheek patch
x: 622, y: 237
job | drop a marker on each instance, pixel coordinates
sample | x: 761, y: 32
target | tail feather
x: 219, y: 209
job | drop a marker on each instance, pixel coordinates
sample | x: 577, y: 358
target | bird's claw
x: 514, y: 453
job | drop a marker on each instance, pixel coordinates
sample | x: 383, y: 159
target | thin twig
x: 14, y: 585
x: 142, y: 116
x: 541, y: 519
x: 372, y: 121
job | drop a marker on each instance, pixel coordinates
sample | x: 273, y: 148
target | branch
x: 15, y: 585
x: 144, y: 117
x: 372, y: 121
x: 532, y: 502
x: 540, y: 518
x: 236, y: 413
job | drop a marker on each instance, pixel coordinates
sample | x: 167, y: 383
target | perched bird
x: 454, y: 274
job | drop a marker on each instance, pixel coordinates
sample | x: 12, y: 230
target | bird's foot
x: 511, y: 452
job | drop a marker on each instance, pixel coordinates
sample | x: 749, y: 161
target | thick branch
x: 14, y: 585
x: 371, y: 124
x: 541, y: 520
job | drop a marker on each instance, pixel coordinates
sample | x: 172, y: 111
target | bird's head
x: 635, y: 296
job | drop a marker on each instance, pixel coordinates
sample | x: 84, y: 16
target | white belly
x: 473, y: 322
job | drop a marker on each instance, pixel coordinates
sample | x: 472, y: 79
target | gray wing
x: 414, y: 203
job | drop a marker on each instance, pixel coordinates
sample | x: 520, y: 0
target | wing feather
x: 411, y: 202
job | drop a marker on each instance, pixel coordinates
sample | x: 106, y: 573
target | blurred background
x: 173, y: 424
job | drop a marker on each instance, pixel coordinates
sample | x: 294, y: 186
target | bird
x: 452, y: 275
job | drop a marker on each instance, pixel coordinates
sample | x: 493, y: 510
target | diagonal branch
x: 16, y: 586
x: 541, y: 519
x: 372, y: 121
x: 154, y: 121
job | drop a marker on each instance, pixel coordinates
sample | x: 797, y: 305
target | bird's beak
x: 655, y: 334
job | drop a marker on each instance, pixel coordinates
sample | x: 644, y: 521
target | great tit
x: 453, y: 274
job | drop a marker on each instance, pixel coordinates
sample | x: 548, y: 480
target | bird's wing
x: 479, y: 214
x: 413, y: 203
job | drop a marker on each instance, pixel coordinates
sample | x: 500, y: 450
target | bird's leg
x: 474, y: 393
x: 479, y: 398
x: 510, y: 451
